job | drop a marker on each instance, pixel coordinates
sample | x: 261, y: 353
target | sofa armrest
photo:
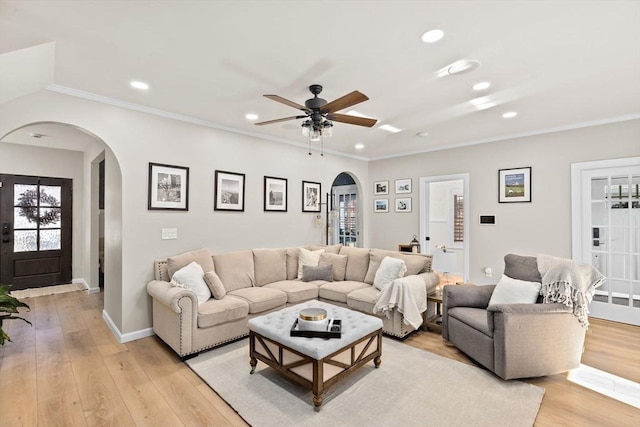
x: 431, y: 280
x: 466, y: 296
x: 170, y: 295
x: 529, y: 308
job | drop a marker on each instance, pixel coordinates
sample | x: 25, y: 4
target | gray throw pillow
x: 321, y: 272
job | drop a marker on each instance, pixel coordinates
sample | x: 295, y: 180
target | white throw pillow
x: 390, y: 269
x: 514, y: 291
x: 307, y: 257
x: 191, y: 277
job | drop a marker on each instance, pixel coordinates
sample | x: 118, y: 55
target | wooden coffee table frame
x: 317, y: 386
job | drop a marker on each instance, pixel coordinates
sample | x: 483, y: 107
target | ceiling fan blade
x: 348, y: 100
x: 352, y: 120
x: 268, y: 122
x: 286, y: 102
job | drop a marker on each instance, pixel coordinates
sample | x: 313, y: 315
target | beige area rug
x: 47, y: 290
x: 412, y: 387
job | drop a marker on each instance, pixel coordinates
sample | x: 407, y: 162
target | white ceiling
x: 560, y: 64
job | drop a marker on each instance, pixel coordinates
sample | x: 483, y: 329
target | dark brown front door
x: 35, y: 239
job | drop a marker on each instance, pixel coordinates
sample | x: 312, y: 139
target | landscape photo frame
x: 311, y: 192
x: 514, y: 185
x: 229, y: 191
x: 380, y: 188
x: 168, y: 187
x: 381, y: 205
x: 275, y: 194
x: 403, y: 186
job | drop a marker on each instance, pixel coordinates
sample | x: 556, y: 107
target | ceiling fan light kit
x: 319, y: 114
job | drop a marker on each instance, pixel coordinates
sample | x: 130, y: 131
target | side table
x: 434, y: 322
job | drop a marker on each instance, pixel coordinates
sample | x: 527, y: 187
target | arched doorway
x: 61, y: 150
x: 345, y: 222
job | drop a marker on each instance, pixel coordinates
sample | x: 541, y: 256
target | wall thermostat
x: 487, y: 220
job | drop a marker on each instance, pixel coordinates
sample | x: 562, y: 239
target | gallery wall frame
x: 514, y: 185
x: 168, y: 187
x: 229, y: 191
x: 403, y: 186
x: 275, y: 194
x: 381, y: 205
x: 380, y: 188
x: 311, y: 192
x: 403, y: 204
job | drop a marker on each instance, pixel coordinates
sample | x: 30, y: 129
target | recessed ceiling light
x: 251, y: 116
x: 359, y: 146
x: 486, y: 106
x: 481, y: 86
x: 432, y: 36
x: 390, y: 128
x: 509, y: 114
x: 139, y: 85
x: 479, y: 101
x: 462, y: 66
x: 422, y: 134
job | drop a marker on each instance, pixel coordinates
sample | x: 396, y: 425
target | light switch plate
x: 169, y: 233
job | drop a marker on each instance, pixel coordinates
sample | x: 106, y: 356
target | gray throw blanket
x: 570, y: 283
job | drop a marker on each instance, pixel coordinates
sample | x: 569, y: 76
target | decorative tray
x: 335, y: 330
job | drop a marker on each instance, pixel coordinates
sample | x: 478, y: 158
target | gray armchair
x: 512, y: 340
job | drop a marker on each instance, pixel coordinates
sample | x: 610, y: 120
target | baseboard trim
x: 123, y: 338
x: 86, y: 285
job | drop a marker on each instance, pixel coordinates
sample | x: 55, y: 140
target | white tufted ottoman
x: 315, y: 363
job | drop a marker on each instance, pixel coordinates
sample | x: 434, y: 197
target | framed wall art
x: 380, y: 188
x: 403, y: 204
x: 311, y: 196
x: 514, y: 185
x: 229, y: 191
x: 168, y: 187
x: 275, y: 194
x: 403, y: 186
x: 381, y: 205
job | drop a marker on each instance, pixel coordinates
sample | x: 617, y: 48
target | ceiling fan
x: 320, y: 114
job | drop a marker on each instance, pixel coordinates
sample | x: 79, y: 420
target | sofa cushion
x: 215, y: 284
x: 390, y: 269
x: 307, y: 257
x: 261, y: 298
x: 292, y: 263
x: 296, y: 290
x: 477, y: 318
x: 363, y: 299
x: 191, y: 277
x: 416, y: 263
x: 338, y: 263
x: 357, y: 264
x: 235, y: 269
x: 522, y: 268
x: 338, y: 291
x: 514, y: 291
x: 319, y: 272
x: 200, y: 256
x: 216, y: 312
x: 270, y: 265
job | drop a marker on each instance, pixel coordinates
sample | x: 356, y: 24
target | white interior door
x: 608, y: 234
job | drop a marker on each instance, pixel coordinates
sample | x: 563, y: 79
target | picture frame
x: 229, y: 191
x: 168, y: 187
x: 514, y: 185
x: 275, y: 194
x: 381, y: 205
x: 380, y: 188
x: 403, y: 186
x: 311, y: 193
x: 403, y: 204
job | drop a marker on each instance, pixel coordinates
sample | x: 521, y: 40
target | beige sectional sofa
x: 257, y: 281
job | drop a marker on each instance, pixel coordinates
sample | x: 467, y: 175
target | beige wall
x: 542, y: 226
x: 16, y: 159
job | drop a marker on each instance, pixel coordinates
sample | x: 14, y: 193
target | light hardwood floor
x: 69, y: 370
